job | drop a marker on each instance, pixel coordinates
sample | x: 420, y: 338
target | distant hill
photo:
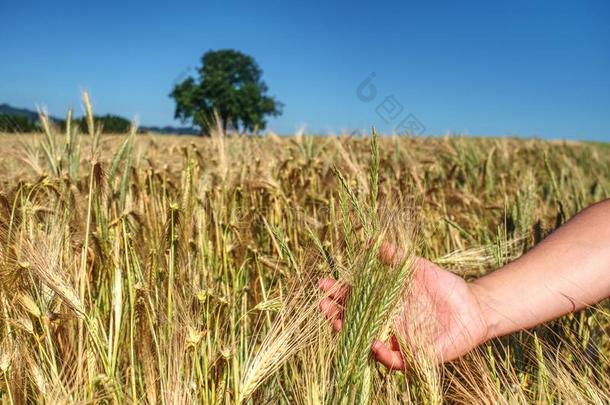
x: 21, y: 112
x: 33, y: 116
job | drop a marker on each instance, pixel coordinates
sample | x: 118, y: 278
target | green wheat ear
x: 375, y: 288
x: 93, y: 130
x: 374, y: 181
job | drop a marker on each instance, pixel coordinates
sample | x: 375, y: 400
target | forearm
x: 567, y: 271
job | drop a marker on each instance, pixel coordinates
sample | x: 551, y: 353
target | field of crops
x: 152, y: 269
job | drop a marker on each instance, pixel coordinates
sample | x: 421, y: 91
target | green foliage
x: 111, y: 124
x: 16, y: 124
x: 230, y: 85
x: 376, y: 287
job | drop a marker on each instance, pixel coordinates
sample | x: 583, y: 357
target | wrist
x: 489, y: 307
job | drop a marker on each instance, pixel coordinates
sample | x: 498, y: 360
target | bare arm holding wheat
x: 566, y: 272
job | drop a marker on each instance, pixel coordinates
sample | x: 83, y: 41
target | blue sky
x: 527, y: 68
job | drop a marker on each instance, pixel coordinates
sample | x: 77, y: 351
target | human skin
x: 567, y: 271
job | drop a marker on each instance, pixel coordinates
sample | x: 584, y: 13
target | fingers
x: 330, y: 309
x: 337, y: 324
x: 326, y: 284
x: 392, y: 359
x: 390, y: 254
x: 394, y: 344
x: 331, y: 305
x: 333, y: 313
x: 334, y: 289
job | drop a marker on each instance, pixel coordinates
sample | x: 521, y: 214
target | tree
x: 229, y: 84
x: 111, y: 124
x: 17, y: 124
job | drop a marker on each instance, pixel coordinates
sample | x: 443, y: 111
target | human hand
x: 440, y: 310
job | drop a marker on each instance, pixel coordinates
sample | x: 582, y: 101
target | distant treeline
x: 21, y: 123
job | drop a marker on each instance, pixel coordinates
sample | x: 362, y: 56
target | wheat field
x: 166, y: 269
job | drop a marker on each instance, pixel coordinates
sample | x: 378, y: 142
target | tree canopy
x: 229, y: 84
x: 111, y: 124
x: 17, y: 123
x: 23, y: 120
